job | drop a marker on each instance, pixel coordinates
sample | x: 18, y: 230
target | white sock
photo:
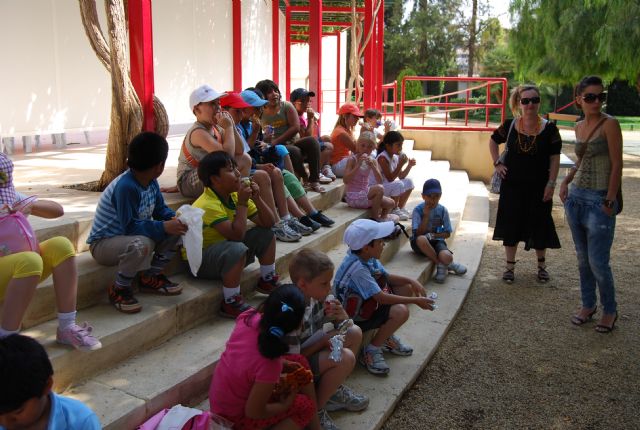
x: 287, y: 217
x: 5, y: 333
x: 230, y: 292
x: 371, y: 348
x: 267, y: 271
x: 66, y: 319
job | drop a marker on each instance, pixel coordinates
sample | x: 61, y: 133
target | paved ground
x: 513, y: 360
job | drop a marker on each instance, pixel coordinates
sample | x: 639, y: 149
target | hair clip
x: 285, y: 307
x: 276, y: 331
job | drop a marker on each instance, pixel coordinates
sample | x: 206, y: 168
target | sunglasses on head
x: 526, y: 100
x: 591, y: 98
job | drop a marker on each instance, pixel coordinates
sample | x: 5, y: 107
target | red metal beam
x: 324, y: 23
x: 287, y: 89
x: 141, y: 57
x: 237, y: 44
x: 380, y: 56
x: 369, y: 70
x: 338, y: 37
x: 275, y: 41
x: 332, y: 9
x: 315, y: 51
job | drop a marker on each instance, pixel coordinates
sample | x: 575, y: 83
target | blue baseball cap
x: 431, y: 186
x: 252, y: 98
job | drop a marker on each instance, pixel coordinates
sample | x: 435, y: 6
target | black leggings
x: 307, y: 149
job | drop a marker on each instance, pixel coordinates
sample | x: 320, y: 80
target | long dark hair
x: 389, y: 138
x: 282, y: 313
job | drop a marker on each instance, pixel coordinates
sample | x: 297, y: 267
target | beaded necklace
x: 527, y: 144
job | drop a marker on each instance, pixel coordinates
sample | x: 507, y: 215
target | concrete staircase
x: 166, y: 354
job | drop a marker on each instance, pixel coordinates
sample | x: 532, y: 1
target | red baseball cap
x: 233, y: 100
x: 350, y: 108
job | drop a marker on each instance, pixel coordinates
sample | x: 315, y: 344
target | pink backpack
x: 16, y: 235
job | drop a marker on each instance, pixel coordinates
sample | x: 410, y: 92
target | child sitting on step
x: 134, y: 229
x: 374, y: 298
x: 431, y: 226
x: 228, y: 245
x: 312, y: 272
x: 359, y: 192
x: 246, y: 376
x: 395, y: 166
x: 23, y: 271
x: 26, y: 399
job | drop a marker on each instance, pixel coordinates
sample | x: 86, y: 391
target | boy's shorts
x: 219, y: 258
x: 378, y: 318
x: 437, y: 245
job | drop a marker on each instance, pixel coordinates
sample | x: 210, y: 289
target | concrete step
x: 181, y: 371
x: 93, y: 279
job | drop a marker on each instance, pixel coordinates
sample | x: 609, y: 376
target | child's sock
x: 123, y: 281
x: 286, y: 217
x: 66, y: 320
x: 371, y: 348
x: 229, y: 293
x: 315, y: 211
x: 5, y: 333
x: 267, y: 271
x: 158, y: 262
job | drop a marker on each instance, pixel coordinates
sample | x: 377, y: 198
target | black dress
x: 522, y: 215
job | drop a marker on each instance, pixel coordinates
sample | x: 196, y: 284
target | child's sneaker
x: 374, y: 362
x: 457, y: 268
x: 395, y: 346
x: 122, y: 299
x: 402, y: 216
x: 346, y: 398
x: 322, y: 219
x: 441, y: 274
x: 325, y: 421
x: 78, y: 336
x: 233, y: 306
x: 298, y: 227
x: 266, y: 286
x: 158, y: 284
x: 326, y: 171
x: 284, y: 233
x: 307, y: 221
x: 324, y: 179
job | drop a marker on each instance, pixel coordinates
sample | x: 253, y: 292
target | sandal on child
x: 314, y: 186
x: 508, y: 275
x: 543, y: 275
x: 578, y: 320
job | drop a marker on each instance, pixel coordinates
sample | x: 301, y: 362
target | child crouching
x: 431, y: 226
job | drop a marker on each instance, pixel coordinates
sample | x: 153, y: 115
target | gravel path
x: 513, y: 360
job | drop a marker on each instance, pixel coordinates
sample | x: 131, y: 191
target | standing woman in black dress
x: 529, y: 175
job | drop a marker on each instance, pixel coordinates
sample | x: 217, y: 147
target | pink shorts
x: 358, y: 199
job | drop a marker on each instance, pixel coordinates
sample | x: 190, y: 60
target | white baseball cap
x: 363, y: 231
x: 203, y: 94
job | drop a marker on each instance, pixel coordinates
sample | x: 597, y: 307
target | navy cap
x: 431, y: 186
x: 300, y: 93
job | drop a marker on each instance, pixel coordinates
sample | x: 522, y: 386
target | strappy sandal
x: 578, y: 320
x: 508, y: 275
x: 543, y: 275
x: 601, y: 328
x: 314, y: 186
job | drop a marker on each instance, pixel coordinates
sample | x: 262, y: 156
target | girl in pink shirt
x: 249, y: 368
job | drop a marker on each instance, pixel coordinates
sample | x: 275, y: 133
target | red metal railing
x: 385, y: 99
x: 444, y: 108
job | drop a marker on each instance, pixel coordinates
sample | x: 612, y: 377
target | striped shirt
x: 126, y: 208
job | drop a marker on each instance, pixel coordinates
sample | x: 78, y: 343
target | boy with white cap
x: 374, y: 298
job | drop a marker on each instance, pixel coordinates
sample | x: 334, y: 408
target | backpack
x: 16, y: 235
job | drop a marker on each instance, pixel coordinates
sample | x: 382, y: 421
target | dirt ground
x: 513, y: 360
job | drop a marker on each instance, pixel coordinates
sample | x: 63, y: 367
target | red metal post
x: 380, y: 56
x: 338, y: 37
x: 315, y: 51
x: 287, y: 88
x: 275, y: 41
x: 237, y: 44
x: 141, y: 57
x: 368, y: 57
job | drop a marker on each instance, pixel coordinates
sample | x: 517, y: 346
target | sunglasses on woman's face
x: 526, y: 100
x: 591, y: 98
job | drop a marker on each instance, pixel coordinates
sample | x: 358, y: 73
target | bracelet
x: 551, y: 184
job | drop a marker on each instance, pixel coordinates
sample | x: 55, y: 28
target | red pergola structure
x: 307, y: 21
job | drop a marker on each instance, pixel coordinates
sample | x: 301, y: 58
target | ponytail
x: 282, y: 313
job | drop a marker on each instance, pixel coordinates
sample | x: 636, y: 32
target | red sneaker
x: 122, y: 299
x: 234, y: 307
x: 267, y: 286
x: 158, y: 284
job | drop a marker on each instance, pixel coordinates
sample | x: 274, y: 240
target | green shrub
x: 414, y: 88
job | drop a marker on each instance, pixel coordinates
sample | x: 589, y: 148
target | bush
x: 414, y: 88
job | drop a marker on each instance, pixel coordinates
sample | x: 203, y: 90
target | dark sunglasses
x: 525, y: 101
x: 591, y: 98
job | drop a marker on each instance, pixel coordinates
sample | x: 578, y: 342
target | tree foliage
x: 560, y: 41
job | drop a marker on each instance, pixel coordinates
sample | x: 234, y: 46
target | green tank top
x: 279, y: 120
x: 595, y: 167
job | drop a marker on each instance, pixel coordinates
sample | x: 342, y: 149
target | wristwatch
x: 608, y: 203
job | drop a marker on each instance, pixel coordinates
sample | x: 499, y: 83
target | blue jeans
x: 592, y: 230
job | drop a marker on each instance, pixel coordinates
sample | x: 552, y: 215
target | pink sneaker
x: 78, y: 336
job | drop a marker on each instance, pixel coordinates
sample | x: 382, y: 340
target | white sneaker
x: 326, y: 171
x: 298, y: 227
x: 323, y: 179
x: 284, y: 233
x: 402, y: 216
x: 406, y: 212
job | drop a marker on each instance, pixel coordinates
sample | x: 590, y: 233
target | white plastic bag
x: 192, y: 240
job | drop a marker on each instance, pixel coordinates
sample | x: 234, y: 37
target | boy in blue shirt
x: 133, y: 227
x: 374, y: 298
x: 26, y: 399
x: 431, y: 226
